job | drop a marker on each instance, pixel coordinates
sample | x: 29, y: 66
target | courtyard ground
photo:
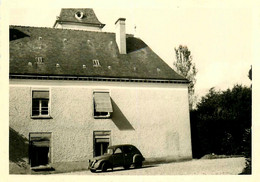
x: 222, y: 166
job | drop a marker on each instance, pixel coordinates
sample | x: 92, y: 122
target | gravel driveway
x: 223, y: 166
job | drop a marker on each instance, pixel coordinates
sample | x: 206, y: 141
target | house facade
x: 75, y: 90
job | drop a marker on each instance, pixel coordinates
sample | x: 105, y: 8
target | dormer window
x: 79, y: 15
x: 39, y: 60
x: 96, y: 63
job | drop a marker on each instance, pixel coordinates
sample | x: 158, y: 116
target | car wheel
x: 126, y: 166
x: 92, y: 170
x: 104, y: 167
x: 138, y: 164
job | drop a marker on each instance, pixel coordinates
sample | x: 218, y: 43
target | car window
x: 128, y: 149
x: 118, y: 151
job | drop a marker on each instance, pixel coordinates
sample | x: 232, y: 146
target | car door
x: 118, y: 157
x: 128, y: 153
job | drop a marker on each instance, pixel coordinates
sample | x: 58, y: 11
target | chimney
x: 120, y: 35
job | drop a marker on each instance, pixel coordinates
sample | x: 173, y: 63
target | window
x: 96, y: 63
x: 79, y: 15
x: 102, y: 105
x: 128, y: 149
x: 39, y: 60
x: 101, y: 142
x: 118, y: 151
x: 40, y: 103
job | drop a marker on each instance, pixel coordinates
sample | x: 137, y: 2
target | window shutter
x: 102, y: 102
x: 40, y: 94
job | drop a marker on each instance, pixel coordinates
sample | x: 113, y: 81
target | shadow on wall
x: 18, y: 146
x: 119, y: 118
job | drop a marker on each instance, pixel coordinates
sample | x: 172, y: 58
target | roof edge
x: 60, y: 29
x: 87, y: 78
x: 81, y: 23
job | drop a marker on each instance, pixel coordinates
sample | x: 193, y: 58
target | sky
x: 218, y: 35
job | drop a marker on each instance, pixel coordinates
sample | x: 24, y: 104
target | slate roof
x: 67, y: 15
x: 64, y: 52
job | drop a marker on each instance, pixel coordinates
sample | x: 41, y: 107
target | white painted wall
x: 158, y: 114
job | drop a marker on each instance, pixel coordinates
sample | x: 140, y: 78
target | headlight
x: 96, y: 164
x: 92, y: 164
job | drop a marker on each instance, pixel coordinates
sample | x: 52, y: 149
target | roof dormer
x: 78, y: 18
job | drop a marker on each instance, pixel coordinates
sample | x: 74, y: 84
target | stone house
x: 75, y: 89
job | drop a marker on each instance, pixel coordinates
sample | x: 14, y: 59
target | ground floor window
x: 101, y: 142
x: 40, y: 149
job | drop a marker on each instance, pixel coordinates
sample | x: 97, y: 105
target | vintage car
x: 117, y: 156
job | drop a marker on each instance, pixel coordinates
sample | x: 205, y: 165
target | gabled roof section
x: 64, y: 52
x: 79, y: 16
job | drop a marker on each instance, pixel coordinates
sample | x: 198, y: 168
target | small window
x: 102, y: 105
x: 118, y: 151
x: 39, y: 60
x: 79, y: 15
x: 40, y: 103
x: 96, y: 63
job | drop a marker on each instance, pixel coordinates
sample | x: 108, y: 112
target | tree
x: 221, y: 123
x: 187, y: 69
x: 250, y: 74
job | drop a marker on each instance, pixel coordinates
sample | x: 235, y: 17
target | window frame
x: 41, y: 116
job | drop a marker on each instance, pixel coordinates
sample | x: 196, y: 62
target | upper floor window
x: 102, y: 104
x: 40, y: 103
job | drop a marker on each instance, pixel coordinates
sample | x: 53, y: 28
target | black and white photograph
x: 128, y: 88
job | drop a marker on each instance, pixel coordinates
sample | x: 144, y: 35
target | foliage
x: 187, y: 69
x: 247, y: 152
x: 18, y: 146
x: 250, y: 74
x: 221, y: 124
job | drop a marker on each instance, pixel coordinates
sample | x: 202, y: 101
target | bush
x: 221, y: 124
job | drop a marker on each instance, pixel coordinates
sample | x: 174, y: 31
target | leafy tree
x: 250, y: 74
x: 221, y: 124
x: 187, y: 69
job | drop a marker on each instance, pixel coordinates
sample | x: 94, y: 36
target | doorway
x: 101, y: 142
x: 40, y: 149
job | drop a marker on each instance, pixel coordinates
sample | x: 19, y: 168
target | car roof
x: 122, y: 145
